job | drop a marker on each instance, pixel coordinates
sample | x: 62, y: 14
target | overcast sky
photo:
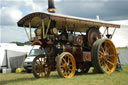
x: 111, y: 10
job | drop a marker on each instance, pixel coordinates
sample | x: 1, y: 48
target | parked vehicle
x: 35, y: 51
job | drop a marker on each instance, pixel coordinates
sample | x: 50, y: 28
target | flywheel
x: 92, y: 35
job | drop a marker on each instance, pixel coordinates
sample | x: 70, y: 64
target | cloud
x: 9, y: 15
x: 12, y: 33
x: 106, y: 9
x: 11, y: 11
x: 33, y: 6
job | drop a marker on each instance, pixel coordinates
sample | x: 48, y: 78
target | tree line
x: 22, y: 43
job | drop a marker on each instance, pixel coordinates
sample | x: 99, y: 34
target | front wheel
x: 40, y: 67
x: 66, y: 65
x: 104, y: 57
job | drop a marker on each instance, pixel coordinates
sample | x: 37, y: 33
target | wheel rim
x: 40, y: 67
x: 107, y: 56
x: 67, y: 65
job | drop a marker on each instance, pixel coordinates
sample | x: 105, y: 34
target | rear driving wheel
x: 104, y: 57
x: 40, y: 67
x: 66, y: 65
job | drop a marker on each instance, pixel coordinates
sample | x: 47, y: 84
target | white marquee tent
x: 11, y: 55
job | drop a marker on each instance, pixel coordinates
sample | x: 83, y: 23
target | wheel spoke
x: 101, y: 56
x: 107, y: 67
x: 70, y: 65
x: 108, y: 48
x: 110, y: 62
x: 102, y: 53
x: 105, y: 45
x: 69, y: 69
x: 39, y: 60
x: 68, y: 60
x: 106, y: 62
x: 65, y: 73
x: 111, y: 55
x: 36, y: 62
x: 102, y: 49
x: 64, y: 60
x: 103, y: 62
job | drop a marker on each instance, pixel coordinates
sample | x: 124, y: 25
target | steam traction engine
x: 70, y: 44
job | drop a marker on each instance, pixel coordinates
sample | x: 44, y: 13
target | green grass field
x: 116, y: 78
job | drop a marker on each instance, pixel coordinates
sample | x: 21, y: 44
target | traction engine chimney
x: 51, y: 7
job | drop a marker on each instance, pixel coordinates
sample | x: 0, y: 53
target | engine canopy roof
x: 62, y: 21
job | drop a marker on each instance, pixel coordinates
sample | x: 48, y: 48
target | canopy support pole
x: 104, y: 31
x: 113, y: 32
x: 45, y: 34
x: 48, y: 28
x: 43, y: 28
x: 107, y: 31
x: 30, y: 31
x: 26, y: 32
